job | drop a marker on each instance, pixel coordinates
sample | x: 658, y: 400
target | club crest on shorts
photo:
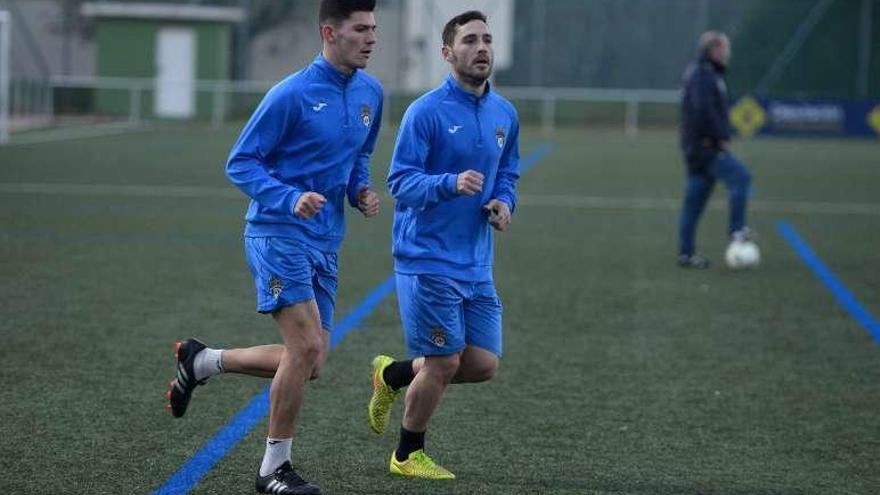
x: 366, y: 115
x: 438, y: 336
x: 276, y: 286
x: 500, y: 136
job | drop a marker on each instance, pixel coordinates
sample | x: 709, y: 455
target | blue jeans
x: 698, y: 188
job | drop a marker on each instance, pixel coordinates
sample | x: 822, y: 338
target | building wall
x: 278, y: 52
x: 66, y: 49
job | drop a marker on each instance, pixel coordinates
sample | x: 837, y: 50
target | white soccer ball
x: 741, y: 255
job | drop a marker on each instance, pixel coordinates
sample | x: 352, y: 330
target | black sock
x: 399, y: 374
x: 410, y: 441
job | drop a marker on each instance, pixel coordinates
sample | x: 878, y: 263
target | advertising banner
x: 798, y: 117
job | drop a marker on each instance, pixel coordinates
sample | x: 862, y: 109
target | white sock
x: 208, y: 363
x: 277, y: 453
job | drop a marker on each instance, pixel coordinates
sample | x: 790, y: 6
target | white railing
x: 220, y: 91
x: 632, y: 98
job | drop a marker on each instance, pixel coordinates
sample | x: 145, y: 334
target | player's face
x: 722, y: 51
x: 471, y: 54
x: 353, y: 40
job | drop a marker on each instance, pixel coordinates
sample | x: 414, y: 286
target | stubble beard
x: 470, y: 76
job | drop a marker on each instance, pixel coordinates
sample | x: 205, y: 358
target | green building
x: 173, y: 45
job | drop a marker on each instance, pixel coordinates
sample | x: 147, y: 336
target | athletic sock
x: 277, y: 453
x: 399, y: 374
x: 208, y: 363
x: 410, y: 441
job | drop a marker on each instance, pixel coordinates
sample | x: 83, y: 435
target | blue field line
x: 840, y: 292
x: 353, y: 320
x: 202, y: 461
x: 534, y: 157
x: 189, y: 474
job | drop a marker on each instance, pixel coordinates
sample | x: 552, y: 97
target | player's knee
x: 312, y: 351
x: 486, y: 370
x: 319, y: 365
x: 443, y: 368
x: 316, y: 371
x: 306, y: 352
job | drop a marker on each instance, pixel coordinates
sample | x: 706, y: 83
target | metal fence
x: 74, y: 99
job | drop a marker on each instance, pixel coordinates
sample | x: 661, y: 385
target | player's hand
x: 308, y: 205
x: 368, y: 202
x: 499, y: 214
x: 469, y: 183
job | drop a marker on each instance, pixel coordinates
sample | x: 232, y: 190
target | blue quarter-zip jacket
x: 313, y: 131
x: 443, y: 133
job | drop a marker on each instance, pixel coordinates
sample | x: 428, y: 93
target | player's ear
x: 447, y: 53
x: 328, y: 33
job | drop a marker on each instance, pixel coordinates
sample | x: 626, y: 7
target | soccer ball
x: 741, y: 255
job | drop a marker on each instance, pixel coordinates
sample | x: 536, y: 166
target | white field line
x: 535, y: 200
x: 56, y: 189
x: 72, y: 133
x: 605, y: 203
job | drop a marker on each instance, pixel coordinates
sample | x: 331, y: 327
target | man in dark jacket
x: 705, y: 136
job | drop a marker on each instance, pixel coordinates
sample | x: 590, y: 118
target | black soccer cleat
x: 697, y: 261
x: 285, y: 481
x: 183, y: 386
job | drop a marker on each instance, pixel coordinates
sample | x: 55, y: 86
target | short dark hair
x: 460, y: 20
x: 336, y: 11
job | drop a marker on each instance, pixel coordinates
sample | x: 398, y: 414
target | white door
x: 175, y: 72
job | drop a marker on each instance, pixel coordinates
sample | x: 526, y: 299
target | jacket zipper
x: 479, y: 126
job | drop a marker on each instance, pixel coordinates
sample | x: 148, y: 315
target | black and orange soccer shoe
x: 182, y: 386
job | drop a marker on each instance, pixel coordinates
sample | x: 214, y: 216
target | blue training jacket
x: 443, y: 133
x: 313, y: 131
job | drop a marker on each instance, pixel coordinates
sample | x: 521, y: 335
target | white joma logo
x: 319, y: 106
x: 454, y: 129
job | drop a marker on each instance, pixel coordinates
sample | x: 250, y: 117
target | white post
x: 5, y: 39
x: 50, y: 100
x: 548, y: 115
x: 134, y: 102
x: 631, y: 124
x: 219, y: 104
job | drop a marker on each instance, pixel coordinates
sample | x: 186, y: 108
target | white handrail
x: 547, y: 97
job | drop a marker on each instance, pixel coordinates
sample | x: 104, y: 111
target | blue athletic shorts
x: 287, y: 272
x: 441, y: 315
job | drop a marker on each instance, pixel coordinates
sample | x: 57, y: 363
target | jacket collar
x: 453, y: 88
x: 718, y: 68
x: 332, y: 73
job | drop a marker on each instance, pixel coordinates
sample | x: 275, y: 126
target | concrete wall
x: 70, y: 53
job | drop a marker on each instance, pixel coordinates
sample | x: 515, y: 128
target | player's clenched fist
x: 499, y: 214
x: 368, y: 202
x: 469, y: 183
x: 309, y: 204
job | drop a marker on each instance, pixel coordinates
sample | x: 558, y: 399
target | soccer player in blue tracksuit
x: 453, y: 176
x: 705, y: 136
x: 302, y: 155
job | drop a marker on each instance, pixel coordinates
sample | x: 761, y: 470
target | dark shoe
x: 697, y: 261
x: 285, y: 481
x: 183, y: 386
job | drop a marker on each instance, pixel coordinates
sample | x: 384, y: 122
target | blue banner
x: 800, y: 117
